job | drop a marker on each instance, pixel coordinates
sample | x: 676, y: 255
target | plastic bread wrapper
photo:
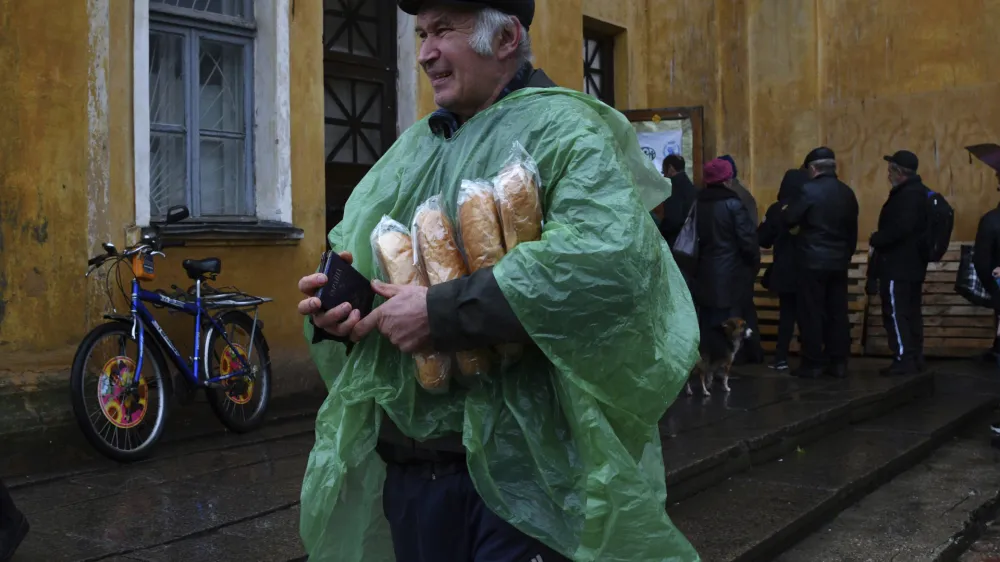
x: 392, y: 247
x: 438, y: 257
x: 518, y: 191
x: 479, y: 224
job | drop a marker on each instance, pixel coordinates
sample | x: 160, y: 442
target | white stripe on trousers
x: 895, y: 323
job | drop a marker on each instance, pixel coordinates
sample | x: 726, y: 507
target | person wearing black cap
x: 901, y: 255
x: 824, y: 219
x: 505, y: 470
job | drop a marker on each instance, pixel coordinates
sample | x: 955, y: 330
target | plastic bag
x: 519, y: 198
x: 479, y: 225
x: 564, y: 445
x: 438, y: 256
x: 436, y: 253
x: 393, y: 250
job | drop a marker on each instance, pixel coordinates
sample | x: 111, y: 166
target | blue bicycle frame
x: 141, y: 317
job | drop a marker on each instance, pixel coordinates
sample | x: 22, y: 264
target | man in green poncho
x: 556, y: 456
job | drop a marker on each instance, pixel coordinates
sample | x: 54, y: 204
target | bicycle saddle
x: 199, y: 268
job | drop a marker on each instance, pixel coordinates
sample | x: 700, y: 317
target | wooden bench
x: 767, y: 304
x: 953, y: 327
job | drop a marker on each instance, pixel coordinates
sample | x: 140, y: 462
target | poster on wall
x: 659, y: 144
x: 673, y: 130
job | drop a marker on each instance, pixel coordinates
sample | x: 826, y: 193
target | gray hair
x: 824, y: 166
x: 900, y: 170
x: 489, y: 24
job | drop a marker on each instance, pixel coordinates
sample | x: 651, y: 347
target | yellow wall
x: 51, y: 192
x: 44, y: 66
x: 865, y: 78
x: 778, y: 78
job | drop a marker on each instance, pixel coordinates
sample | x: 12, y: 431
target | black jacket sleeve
x: 984, y: 251
x: 771, y: 227
x: 470, y: 313
x: 793, y: 213
x: 674, y: 214
x: 903, y: 225
x: 853, y: 228
x: 746, y: 233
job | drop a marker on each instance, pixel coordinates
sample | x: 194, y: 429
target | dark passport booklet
x: 344, y: 284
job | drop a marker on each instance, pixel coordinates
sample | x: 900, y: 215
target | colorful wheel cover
x: 238, y: 389
x: 123, y: 408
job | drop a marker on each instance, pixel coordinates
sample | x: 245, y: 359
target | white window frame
x: 271, y: 131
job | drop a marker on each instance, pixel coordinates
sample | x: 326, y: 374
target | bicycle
x: 124, y: 425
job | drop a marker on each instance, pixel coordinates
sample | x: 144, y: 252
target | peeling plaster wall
x: 67, y: 182
x: 865, y: 78
x: 45, y: 134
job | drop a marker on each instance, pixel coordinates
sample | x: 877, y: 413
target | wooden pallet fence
x: 953, y: 327
x: 767, y: 304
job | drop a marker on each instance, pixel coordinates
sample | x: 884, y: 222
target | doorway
x: 359, y: 83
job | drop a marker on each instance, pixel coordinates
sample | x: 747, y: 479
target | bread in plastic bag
x: 438, y: 256
x: 519, y: 198
x: 479, y: 225
x: 393, y: 251
x: 518, y: 193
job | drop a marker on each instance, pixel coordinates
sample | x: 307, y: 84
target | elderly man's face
x: 463, y: 81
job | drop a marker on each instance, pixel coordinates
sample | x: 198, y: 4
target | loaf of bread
x: 439, y: 256
x: 441, y: 260
x: 520, y: 204
x: 393, y: 252
x: 479, y: 225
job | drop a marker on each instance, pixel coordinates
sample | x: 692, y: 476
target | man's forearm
x: 470, y: 313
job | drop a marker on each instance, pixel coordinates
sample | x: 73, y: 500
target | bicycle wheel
x: 121, y: 418
x: 240, y: 402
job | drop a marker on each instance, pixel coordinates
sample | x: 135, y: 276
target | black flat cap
x: 523, y: 10
x: 904, y: 159
x: 821, y: 153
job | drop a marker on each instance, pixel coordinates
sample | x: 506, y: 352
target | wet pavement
x: 211, y: 496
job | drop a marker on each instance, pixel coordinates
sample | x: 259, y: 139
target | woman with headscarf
x: 780, y: 276
x: 727, y: 249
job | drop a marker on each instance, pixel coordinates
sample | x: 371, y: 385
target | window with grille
x: 201, y: 107
x: 598, y: 66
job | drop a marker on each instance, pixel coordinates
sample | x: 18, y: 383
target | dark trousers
x: 903, y: 319
x: 787, y: 316
x: 822, y: 314
x: 436, y: 515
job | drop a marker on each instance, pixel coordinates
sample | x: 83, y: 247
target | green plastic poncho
x: 563, y: 444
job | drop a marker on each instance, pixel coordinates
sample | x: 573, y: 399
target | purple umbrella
x: 988, y: 153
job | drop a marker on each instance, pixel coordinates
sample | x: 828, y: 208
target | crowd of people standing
x: 812, y: 231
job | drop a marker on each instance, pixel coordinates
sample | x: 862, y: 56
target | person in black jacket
x: 682, y: 196
x: 901, y: 255
x: 727, y: 247
x: 824, y: 219
x: 751, y: 350
x: 985, y: 259
x: 780, y: 277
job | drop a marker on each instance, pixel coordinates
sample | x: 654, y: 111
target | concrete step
x: 707, y: 440
x: 928, y: 513
x: 760, y: 513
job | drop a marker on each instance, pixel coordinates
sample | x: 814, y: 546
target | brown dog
x: 717, y: 362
